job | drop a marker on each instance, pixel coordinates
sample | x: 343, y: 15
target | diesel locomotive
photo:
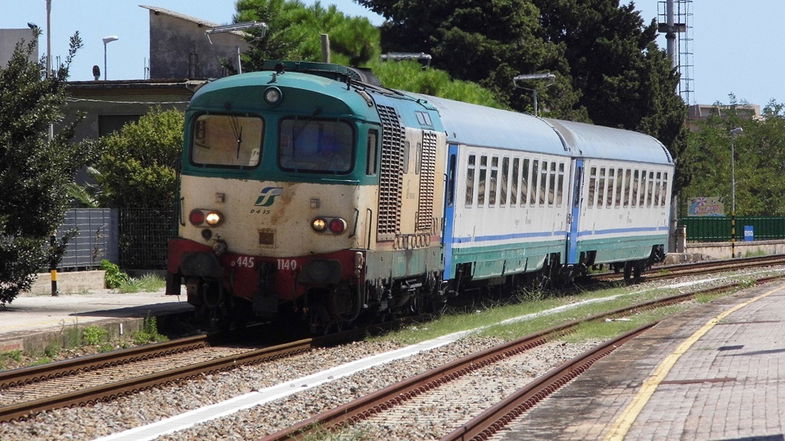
x: 310, y: 193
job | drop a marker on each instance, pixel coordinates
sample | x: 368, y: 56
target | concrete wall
x: 722, y: 250
x: 179, y: 47
x: 8, y: 40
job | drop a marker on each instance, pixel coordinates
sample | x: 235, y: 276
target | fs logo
x: 267, y: 197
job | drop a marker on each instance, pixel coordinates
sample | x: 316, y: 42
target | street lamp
x: 108, y: 39
x: 733, y: 134
x: 529, y: 77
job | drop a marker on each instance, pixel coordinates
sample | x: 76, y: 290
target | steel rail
x: 680, y: 270
x: 483, y: 426
x: 386, y: 398
x: 73, y: 366
x: 114, y: 390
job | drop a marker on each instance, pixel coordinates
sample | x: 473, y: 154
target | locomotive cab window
x: 316, y: 145
x: 227, y: 140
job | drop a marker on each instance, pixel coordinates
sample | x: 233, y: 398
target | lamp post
x: 108, y: 39
x: 528, y: 77
x: 733, y: 134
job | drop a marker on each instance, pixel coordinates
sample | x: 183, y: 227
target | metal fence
x: 96, y: 237
x: 132, y: 238
x: 144, y: 234
x: 718, y: 228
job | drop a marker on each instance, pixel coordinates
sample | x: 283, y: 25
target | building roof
x: 198, y: 21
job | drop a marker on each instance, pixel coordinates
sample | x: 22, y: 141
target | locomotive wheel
x: 628, y: 273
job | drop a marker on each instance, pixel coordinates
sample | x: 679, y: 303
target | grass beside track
x: 549, y: 310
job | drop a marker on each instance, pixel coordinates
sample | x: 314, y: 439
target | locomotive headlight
x: 273, y: 95
x: 338, y: 225
x: 319, y: 224
x: 214, y: 218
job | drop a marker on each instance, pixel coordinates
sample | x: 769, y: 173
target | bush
x: 93, y: 335
x: 113, y: 277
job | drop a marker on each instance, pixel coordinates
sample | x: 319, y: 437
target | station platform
x: 31, y: 322
x: 715, y: 372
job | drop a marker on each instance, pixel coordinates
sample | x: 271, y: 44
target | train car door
x: 449, y: 211
x: 575, y: 213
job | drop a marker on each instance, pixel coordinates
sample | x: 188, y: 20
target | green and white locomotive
x: 310, y: 193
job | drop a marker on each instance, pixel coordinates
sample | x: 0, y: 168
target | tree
x: 759, y: 162
x: 138, y: 165
x: 34, y: 171
x: 625, y: 80
x: 294, y: 33
x: 486, y: 42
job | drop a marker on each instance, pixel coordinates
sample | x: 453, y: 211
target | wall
x: 8, y: 40
x: 179, y: 47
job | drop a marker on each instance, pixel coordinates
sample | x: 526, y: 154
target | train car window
x: 505, y: 185
x: 560, y: 186
x: 481, y: 186
x: 535, y: 175
x: 636, y: 182
x: 470, y: 182
x: 650, y: 191
x: 370, y: 157
x: 552, y: 185
x: 664, y: 189
x: 644, y: 186
x: 658, y: 190
x: 493, y: 181
x: 592, y: 186
x: 524, y: 181
x: 627, y: 187
x: 601, y: 189
x: 514, y: 183
x: 543, y: 182
x: 316, y: 145
x: 611, y: 187
x: 619, y: 186
x: 227, y: 140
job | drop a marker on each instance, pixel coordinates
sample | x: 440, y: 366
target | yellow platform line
x: 623, y: 423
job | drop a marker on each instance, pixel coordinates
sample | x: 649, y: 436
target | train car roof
x: 476, y: 125
x: 590, y: 141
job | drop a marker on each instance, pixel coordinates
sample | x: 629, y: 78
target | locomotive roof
x: 297, y: 86
x: 591, y: 141
x: 472, y: 124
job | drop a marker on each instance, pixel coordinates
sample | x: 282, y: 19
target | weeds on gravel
x: 93, y: 335
x: 146, y: 283
x: 149, y: 332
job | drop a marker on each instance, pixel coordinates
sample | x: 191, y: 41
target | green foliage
x: 93, y: 335
x: 410, y: 76
x: 138, y: 165
x: 759, y: 164
x: 294, y: 33
x: 52, y: 350
x: 149, y: 332
x: 146, y: 283
x: 34, y: 171
x: 113, y: 276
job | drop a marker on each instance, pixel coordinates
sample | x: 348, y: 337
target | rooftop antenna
x: 233, y: 28
x: 547, y: 76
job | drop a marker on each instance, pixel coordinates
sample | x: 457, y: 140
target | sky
x: 734, y: 43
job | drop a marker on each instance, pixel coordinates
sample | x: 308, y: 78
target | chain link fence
x: 143, y: 238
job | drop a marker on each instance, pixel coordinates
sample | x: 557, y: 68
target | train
x: 310, y: 194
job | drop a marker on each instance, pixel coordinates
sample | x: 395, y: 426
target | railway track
x: 25, y: 392
x: 85, y: 380
x: 666, y: 272
x: 386, y: 400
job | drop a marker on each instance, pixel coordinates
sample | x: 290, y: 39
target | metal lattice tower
x: 674, y: 18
